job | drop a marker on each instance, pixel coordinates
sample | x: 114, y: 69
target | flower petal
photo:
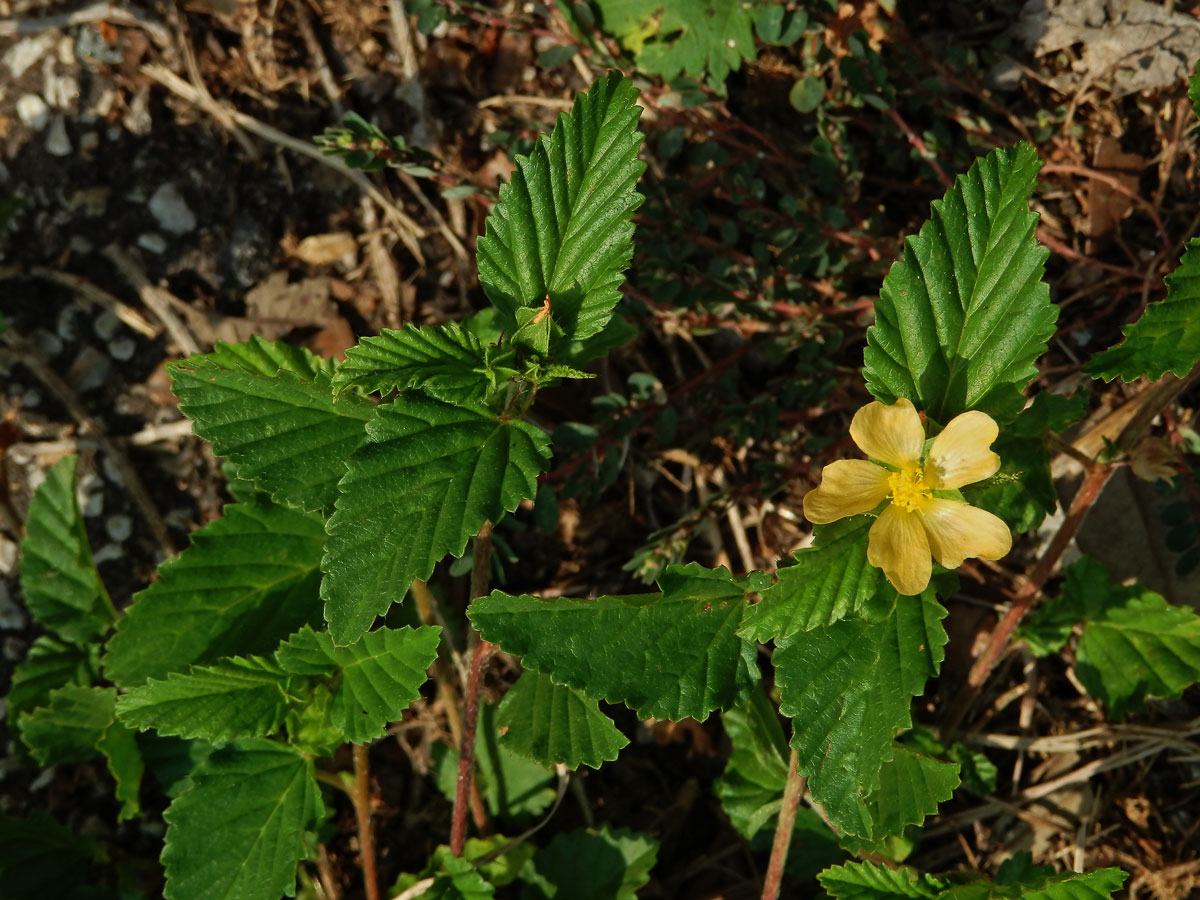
x: 891, y: 434
x: 960, y: 454
x: 848, y: 487
x: 897, y: 544
x: 958, y: 531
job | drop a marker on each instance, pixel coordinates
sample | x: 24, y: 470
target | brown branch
x: 362, y: 814
x: 479, y: 658
x: 784, y: 828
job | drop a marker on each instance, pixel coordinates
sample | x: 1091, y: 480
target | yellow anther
x: 908, y: 488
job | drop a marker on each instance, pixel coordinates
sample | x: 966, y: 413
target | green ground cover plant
x: 296, y: 625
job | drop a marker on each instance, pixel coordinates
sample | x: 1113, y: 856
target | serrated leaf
x: 236, y: 698
x: 911, y: 785
x: 591, y: 864
x: 1142, y: 647
x: 58, y: 577
x: 695, y: 35
x: 445, y: 361
x: 563, y: 228
x: 751, y: 787
x: 829, y: 581
x: 848, y: 688
x: 962, y: 318
x: 1134, y: 644
x: 68, y: 729
x: 669, y: 655
x: 512, y: 786
x: 1023, y: 493
x: 549, y: 724
x: 120, y: 749
x: 458, y: 880
x: 1167, y: 335
x: 1099, y: 884
x: 238, y: 831
x: 378, y: 675
x: 49, y: 665
x: 424, y: 481
x: 248, y: 580
x: 282, y: 426
x: 172, y: 760
x: 39, y: 859
x: 872, y: 881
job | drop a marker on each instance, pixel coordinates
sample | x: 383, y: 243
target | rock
x: 57, y: 141
x: 12, y: 617
x: 24, y: 53
x: 171, y: 211
x: 153, y: 242
x: 122, y: 348
x: 33, y: 111
x: 119, y: 527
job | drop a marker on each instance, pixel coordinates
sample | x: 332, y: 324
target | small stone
x: 137, y: 115
x: 62, y: 91
x: 171, y: 211
x: 106, y: 325
x: 24, y: 53
x: 153, y: 242
x: 31, y: 398
x: 67, y: 323
x: 66, y: 50
x: 47, y: 342
x: 8, y: 556
x: 119, y: 528
x: 93, y: 505
x: 89, y: 143
x: 57, y: 142
x: 12, y: 616
x: 33, y: 111
x: 109, y: 553
x: 122, y: 348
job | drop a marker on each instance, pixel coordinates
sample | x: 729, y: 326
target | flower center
x: 908, y: 488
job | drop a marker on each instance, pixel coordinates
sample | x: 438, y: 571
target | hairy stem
x: 1150, y: 404
x: 362, y: 812
x: 784, y: 828
x: 479, y: 656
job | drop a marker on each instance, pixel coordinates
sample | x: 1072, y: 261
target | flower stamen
x: 908, y: 488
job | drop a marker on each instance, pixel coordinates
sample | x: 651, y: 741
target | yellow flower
x: 915, y: 524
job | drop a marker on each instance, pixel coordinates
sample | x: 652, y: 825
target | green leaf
x: 911, y: 785
x: 1142, y: 647
x: 445, y: 361
x: 563, y: 228
x: 668, y: 655
x: 49, y: 665
x: 512, y: 786
x: 591, y: 864
x: 69, y: 728
x: 1134, y: 644
x: 549, y: 724
x: 1023, y: 493
x: 425, y: 480
x: 691, y: 35
x: 1194, y: 90
x: 871, y: 881
x: 962, y: 318
x: 40, y: 859
x: 172, y: 760
x: 829, y: 581
x: 457, y: 879
x: 248, y: 580
x: 751, y: 788
x: 238, y: 831
x: 58, y: 577
x: 848, y: 688
x: 378, y: 675
x: 235, y: 698
x: 270, y: 409
x: 120, y: 749
x: 1166, y: 337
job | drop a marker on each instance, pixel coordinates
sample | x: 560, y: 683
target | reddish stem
x: 479, y: 657
x: 362, y: 813
x: 784, y: 828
